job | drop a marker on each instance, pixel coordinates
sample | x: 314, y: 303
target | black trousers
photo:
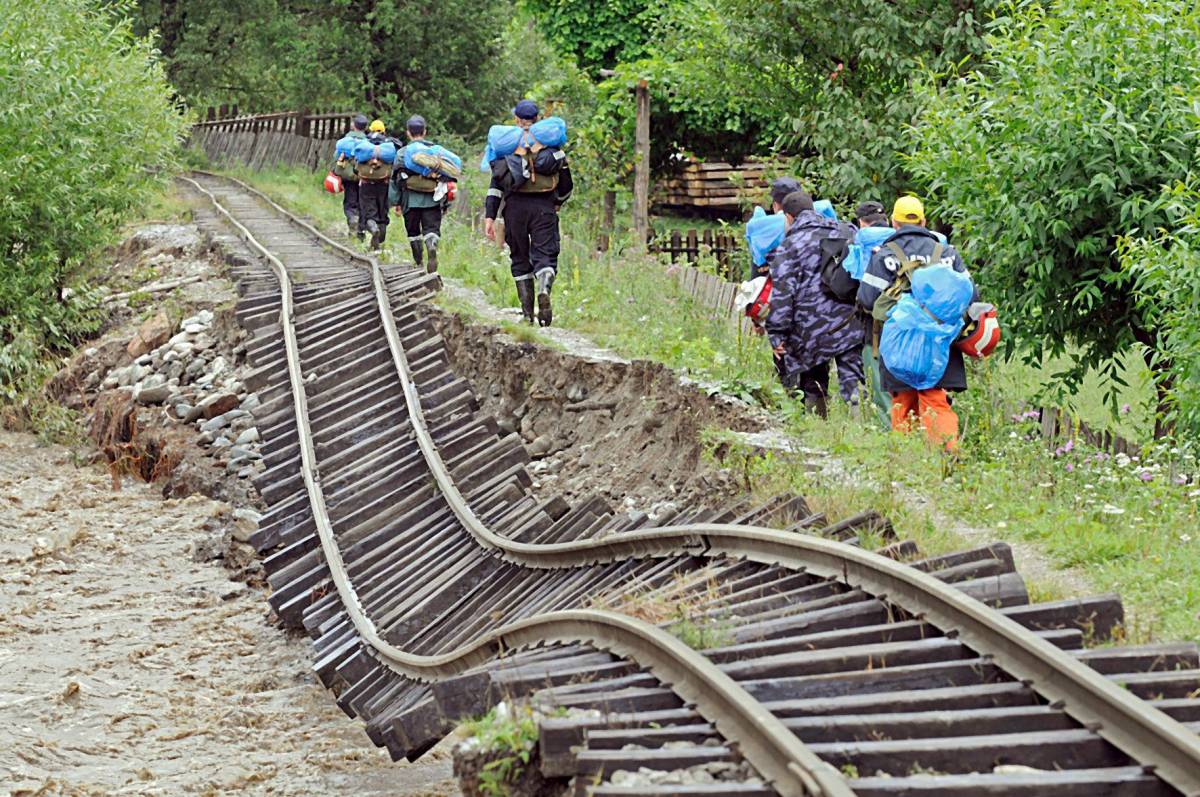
x: 531, y: 232
x: 421, y: 223
x: 350, y: 204
x: 372, y: 198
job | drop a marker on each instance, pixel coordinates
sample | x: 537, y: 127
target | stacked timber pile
x: 712, y: 187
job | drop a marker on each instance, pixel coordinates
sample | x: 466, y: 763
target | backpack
x: 836, y: 282
x: 903, y: 282
x: 754, y: 296
x: 343, y: 167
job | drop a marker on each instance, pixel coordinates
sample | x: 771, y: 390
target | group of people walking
x: 527, y: 188
x: 809, y: 328
x: 372, y: 187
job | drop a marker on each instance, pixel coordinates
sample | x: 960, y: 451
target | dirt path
x: 127, y: 668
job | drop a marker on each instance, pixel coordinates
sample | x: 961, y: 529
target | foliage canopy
x: 87, y: 130
x: 1059, y: 145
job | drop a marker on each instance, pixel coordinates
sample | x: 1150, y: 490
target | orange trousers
x: 932, y: 408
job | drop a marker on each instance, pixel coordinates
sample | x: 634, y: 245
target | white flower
x: 1109, y: 509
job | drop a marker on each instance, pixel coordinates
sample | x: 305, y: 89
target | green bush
x: 87, y: 130
x: 1165, y: 269
x: 1058, y: 146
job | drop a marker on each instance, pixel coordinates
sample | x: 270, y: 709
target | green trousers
x: 880, y: 398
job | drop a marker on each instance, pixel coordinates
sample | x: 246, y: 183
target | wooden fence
x: 689, y: 245
x: 264, y: 140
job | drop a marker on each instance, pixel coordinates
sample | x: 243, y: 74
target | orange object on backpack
x: 333, y: 183
x: 981, y: 335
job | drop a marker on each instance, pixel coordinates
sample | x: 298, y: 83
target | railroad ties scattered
x: 435, y: 583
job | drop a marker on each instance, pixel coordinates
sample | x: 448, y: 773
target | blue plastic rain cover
x: 858, y: 256
x: 365, y: 150
x: 916, y: 339
x: 345, y: 146
x: 438, y: 150
x: 764, y: 233
x: 825, y: 208
x: 549, y: 132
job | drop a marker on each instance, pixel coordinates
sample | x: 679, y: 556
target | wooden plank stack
x: 712, y: 186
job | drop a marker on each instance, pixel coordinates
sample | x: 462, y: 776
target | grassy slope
x: 1126, y: 525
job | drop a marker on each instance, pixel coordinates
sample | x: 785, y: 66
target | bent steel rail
x: 1145, y: 734
x: 790, y: 767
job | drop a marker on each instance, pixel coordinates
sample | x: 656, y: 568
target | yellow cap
x: 908, y: 210
x: 377, y: 126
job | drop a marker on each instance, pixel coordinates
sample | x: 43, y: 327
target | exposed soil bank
x: 630, y: 431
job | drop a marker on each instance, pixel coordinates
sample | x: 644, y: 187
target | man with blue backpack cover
x: 887, y: 280
x: 532, y: 183
x: 873, y: 230
x: 374, y: 158
x: 343, y: 167
x: 419, y: 202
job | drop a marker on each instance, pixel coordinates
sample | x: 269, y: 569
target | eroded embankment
x: 631, y: 431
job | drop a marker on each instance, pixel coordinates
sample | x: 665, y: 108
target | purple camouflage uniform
x: 812, y: 327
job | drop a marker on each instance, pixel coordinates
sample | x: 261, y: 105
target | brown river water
x: 128, y: 668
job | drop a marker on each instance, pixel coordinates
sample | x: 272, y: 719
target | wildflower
x: 1109, y: 509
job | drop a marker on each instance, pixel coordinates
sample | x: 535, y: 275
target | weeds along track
x: 403, y: 537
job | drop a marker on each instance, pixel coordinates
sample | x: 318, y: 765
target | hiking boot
x: 545, y: 280
x: 525, y: 294
x: 432, y: 247
x: 416, y: 252
x: 815, y: 404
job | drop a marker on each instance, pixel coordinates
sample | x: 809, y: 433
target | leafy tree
x: 454, y: 61
x: 829, y: 81
x: 1058, y: 146
x: 600, y: 35
x: 1165, y: 269
x: 87, y: 129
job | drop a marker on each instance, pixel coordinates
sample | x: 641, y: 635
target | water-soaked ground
x: 128, y: 668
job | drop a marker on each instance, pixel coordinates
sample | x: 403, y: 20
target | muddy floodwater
x: 126, y: 667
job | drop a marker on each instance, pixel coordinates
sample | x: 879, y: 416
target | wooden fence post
x: 641, y: 176
x: 606, y: 226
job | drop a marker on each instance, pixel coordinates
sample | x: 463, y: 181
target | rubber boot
x: 415, y: 246
x: 816, y: 404
x: 525, y: 294
x: 545, y: 280
x: 432, y: 247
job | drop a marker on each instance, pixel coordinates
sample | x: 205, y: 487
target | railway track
x: 403, y: 536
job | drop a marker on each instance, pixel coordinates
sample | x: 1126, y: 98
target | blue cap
x: 526, y: 109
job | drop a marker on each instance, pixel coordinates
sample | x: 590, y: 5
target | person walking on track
x: 343, y: 167
x: 419, y: 202
x: 373, y: 178
x: 531, y: 185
